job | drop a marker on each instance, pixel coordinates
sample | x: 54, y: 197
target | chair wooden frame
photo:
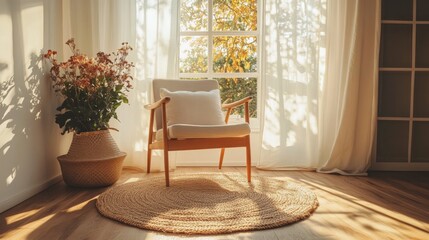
x: 195, y: 143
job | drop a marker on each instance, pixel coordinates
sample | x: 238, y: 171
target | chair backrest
x: 179, y: 85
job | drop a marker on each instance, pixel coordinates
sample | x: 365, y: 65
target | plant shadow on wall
x: 294, y: 72
x: 20, y: 116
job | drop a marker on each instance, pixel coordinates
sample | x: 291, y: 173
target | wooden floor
x: 381, y: 206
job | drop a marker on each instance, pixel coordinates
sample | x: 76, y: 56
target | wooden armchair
x: 190, y: 135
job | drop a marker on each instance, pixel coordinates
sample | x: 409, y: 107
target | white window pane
x: 193, y: 15
x: 234, y: 54
x: 193, y: 55
x: 236, y: 15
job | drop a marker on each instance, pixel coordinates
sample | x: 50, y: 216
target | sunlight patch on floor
x: 362, y: 211
x: 79, y: 206
x: 39, y: 222
x: 134, y: 179
x: 19, y: 216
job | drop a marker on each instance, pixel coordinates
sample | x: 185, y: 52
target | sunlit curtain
x: 150, y: 26
x: 319, y: 82
x: 349, y: 96
x: 156, y: 57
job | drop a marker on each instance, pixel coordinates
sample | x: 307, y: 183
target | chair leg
x: 166, y: 168
x: 149, y: 140
x: 248, y: 160
x: 222, y: 153
x: 149, y: 158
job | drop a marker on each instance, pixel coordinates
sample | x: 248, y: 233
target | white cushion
x: 196, y: 108
x: 184, y: 131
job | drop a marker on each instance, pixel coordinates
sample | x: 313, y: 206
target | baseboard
x: 26, y: 194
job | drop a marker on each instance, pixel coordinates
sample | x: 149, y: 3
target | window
x: 219, y: 40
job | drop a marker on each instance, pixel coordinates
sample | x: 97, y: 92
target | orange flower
x: 88, y: 84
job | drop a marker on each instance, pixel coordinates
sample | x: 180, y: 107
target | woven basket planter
x: 93, y: 160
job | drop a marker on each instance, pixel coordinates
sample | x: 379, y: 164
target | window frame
x: 210, y: 74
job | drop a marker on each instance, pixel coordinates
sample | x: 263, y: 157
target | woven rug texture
x: 207, y: 203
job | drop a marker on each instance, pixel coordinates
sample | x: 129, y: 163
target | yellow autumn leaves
x: 234, y: 54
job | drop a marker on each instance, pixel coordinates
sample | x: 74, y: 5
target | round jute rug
x: 210, y: 203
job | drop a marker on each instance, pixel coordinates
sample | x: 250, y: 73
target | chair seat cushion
x: 184, y: 131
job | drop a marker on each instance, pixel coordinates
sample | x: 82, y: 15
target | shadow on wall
x: 20, y: 103
x: 294, y: 46
x: 26, y: 111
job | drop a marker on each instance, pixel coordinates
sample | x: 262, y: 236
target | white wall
x: 29, y: 137
x: 30, y: 140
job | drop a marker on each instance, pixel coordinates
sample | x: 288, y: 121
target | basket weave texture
x: 96, y: 145
x: 208, y: 203
x: 93, y: 160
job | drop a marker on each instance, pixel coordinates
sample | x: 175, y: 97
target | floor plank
x: 384, y: 205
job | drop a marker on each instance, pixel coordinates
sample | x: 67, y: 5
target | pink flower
x: 90, y: 74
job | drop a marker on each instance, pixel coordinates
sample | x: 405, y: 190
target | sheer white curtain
x: 150, y: 26
x: 348, y: 109
x: 156, y: 55
x: 98, y: 25
x: 293, y: 64
x: 318, y: 84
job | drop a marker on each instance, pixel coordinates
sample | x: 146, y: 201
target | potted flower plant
x: 91, y: 90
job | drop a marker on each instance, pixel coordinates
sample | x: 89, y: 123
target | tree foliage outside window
x: 219, y: 41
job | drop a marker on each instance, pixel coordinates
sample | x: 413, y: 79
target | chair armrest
x: 157, y: 104
x: 237, y: 103
x: 230, y: 106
